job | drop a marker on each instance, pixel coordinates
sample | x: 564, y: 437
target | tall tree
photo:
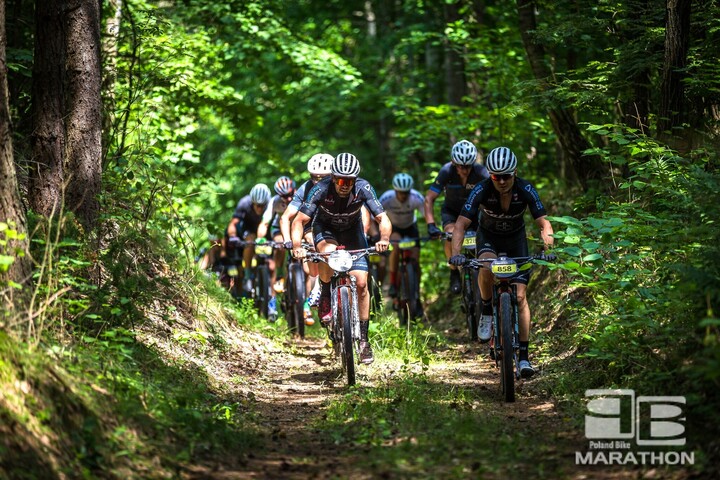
x: 11, y: 208
x: 571, y: 139
x: 48, y: 138
x: 677, y: 41
x: 84, y: 109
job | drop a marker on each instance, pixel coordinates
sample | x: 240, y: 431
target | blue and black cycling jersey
x: 456, y: 193
x: 484, y: 205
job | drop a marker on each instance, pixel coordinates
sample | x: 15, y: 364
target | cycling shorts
x: 352, y: 239
x: 513, y: 245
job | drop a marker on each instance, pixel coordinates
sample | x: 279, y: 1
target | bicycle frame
x: 345, y: 325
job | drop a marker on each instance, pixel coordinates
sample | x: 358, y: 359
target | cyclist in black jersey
x: 499, y: 204
x: 335, y: 207
x: 319, y: 166
x: 456, y: 179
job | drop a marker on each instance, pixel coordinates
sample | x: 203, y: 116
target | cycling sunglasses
x: 343, y: 182
x: 317, y: 178
x: 501, y: 176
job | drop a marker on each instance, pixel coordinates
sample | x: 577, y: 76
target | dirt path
x: 290, y: 392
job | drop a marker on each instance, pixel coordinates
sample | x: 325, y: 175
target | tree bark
x: 48, y: 139
x: 565, y: 126
x: 455, y: 81
x: 11, y: 208
x: 677, y: 40
x: 84, y: 110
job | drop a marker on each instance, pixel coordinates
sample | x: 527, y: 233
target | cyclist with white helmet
x: 319, y: 166
x: 499, y: 204
x: 401, y: 204
x: 244, y: 225
x: 335, y: 207
x: 456, y: 178
x: 284, y: 191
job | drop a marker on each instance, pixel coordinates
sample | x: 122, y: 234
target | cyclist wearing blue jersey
x: 456, y: 179
x: 401, y: 204
x: 499, y: 204
x: 335, y: 207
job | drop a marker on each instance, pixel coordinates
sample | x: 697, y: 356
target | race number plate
x: 469, y: 241
x: 263, y: 249
x: 512, y: 268
x: 374, y: 258
x: 405, y: 244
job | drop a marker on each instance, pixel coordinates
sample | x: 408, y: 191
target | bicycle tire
x: 408, y: 293
x: 507, y: 372
x: 262, y: 292
x: 297, y: 297
x: 471, y: 294
x: 345, y: 320
x: 374, y: 289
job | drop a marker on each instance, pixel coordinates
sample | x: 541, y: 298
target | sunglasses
x: 344, y: 182
x: 501, y: 176
x: 317, y: 178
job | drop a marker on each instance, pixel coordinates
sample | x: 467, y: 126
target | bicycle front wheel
x: 262, y: 289
x: 296, y: 317
x: 409, y: 286
x: 471, y: 298
x: 345, y: 320
x: 507, y: 372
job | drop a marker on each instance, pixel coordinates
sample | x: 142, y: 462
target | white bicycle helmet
x: 464, y: 153
x: 402, y: 182
x: 320, y: 164
x: 284, y: 186
x: 260, y: 194
x: 346, y: 165
x: 501, y: 160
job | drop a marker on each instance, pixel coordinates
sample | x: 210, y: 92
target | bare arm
x: 546, y: 231
x: 385, y: 231
x: 232, y: 227
x: 285, y: 221
x: 458, y: 234
x: 296, y: 234
x: 430, y: 198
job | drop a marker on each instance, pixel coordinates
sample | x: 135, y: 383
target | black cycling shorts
x: 513, y: 245
x: 352, y: 239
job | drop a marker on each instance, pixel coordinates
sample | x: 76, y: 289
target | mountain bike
x: 505, y: 340
x: 408, y: 295
x: 294, y: 296
x: 374, y: 284
x: 260, y: 286
x: 471, y: 302
x: 345, y: 323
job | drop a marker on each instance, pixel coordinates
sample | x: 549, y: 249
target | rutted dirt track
x: 289, y: 393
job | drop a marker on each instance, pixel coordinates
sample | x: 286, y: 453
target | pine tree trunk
x: 84, y: 110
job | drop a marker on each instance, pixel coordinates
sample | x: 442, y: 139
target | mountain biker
x: 243, y: 227
x: 284, y: 191
x: 401, y: 204
x: 500, y: 203
x: 457, y: 178
x: 335, y: 207
x: 319, y: 166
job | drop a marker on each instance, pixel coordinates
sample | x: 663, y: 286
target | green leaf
x: 592, y: 257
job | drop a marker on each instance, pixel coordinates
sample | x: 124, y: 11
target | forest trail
x: 290, y: 393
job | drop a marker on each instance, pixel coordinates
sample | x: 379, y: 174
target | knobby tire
x: 345, y: 320
x: 295, y: 313
x: 262, y: 285
x: 471, y: 297
x: 408, y: 293
x: 507, y: 372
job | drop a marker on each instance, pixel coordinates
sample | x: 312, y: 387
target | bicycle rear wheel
x: 408, y: 293
x: 471, y: 294
x: 507, y: 372
x: 346, y: 342
x: 297, y: 298
x: 374, y: 290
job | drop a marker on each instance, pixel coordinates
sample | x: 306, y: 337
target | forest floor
x: 292, y: 388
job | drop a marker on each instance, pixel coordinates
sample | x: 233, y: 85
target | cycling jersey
x: 301, y: 194
x: 402, y: 214
x: 448, y: 180
x: 274, y: 210
x: 246, y: 214
x: 484, y: 201
x: 324, y: 205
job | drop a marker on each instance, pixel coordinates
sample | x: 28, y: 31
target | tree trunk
x: 455, y: 81
x: 677, y: 40
x: 48, y: 138
x: 84, y: 110
x: 11, y: 208
x: 109, y: 55
x: 573, y: 143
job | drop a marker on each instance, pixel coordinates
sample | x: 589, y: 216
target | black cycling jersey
x: 483, y: 204
x: 245, y: 211
x: 455, y: 192
x: 326, y: 206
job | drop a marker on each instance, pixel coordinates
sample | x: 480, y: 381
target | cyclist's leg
x: 393, y: 263
x: 325, y: 241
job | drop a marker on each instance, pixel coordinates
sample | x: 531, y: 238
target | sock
x: 487, y: 307
x: 524, y: 350
x: 364, y: 325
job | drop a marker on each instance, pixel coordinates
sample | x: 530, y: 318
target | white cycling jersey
x: 402, y: 215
